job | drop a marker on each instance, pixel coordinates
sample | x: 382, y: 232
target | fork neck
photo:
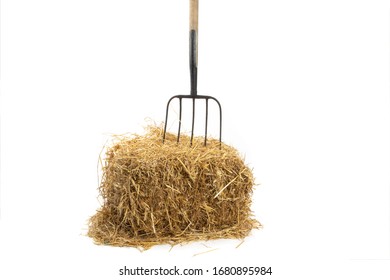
x: 193, y: 62
x: 194, y: 6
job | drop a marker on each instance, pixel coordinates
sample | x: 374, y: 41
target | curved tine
x: 166, y: 116
x: 220, y: 120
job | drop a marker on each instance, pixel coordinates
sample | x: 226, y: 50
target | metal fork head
x: 194, y: 97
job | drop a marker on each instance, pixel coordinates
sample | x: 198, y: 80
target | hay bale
x: 155, y: 193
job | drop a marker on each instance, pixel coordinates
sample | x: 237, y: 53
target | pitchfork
x: 194, y: 5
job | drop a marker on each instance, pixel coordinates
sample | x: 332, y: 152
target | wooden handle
x: 194, y: 6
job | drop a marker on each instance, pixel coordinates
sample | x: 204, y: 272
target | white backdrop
x: 305, y: 91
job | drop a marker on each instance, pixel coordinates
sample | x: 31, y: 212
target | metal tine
x: 166, y: 117
x: 207, y: 115
x: 166, y: 120
x: 220, y: 117
x: 220, y: 123
x: 180, y: 110
x: 193, y: 120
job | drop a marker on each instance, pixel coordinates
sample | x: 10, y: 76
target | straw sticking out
x: 227, y: 185
x: 201, y: 253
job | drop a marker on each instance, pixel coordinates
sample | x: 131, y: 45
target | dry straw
x: 155, y: 193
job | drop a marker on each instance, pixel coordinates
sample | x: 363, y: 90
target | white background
x: 304, y: 87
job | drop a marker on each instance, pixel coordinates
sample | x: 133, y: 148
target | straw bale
x: 154, y: 193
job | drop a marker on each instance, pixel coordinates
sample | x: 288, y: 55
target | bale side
x: 156, y: 193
